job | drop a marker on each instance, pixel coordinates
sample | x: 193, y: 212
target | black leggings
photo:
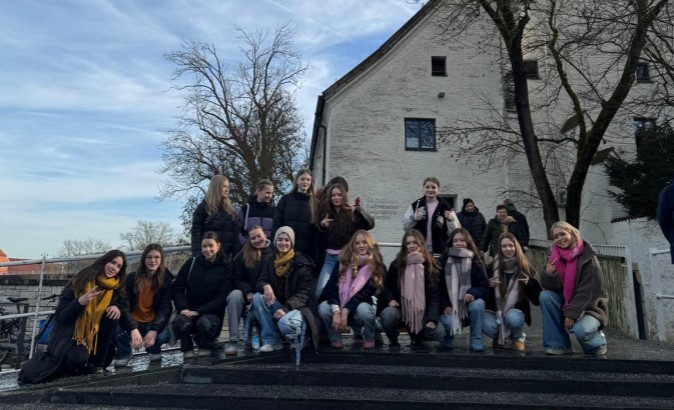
x: 205, y: 329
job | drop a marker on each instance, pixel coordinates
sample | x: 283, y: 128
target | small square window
x: 419, y: 134
x: 531, y: 68
x: 439, y: 66
x: 641, y: 73
x: 642, y: 128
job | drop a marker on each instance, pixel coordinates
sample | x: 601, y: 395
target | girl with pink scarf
x: 574, y: 299
x: 410, y: 295
x: 349, y: 291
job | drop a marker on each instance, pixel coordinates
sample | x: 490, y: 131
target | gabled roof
x: 381, y: 51
x: 361, y: 68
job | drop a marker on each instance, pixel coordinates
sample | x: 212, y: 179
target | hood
x: 252, y: 201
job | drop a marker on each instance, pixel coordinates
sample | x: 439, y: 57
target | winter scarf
x: 354, y: 280
x: 87, y: 324
x: 457, y: 277
x: 513, y: 291
x: 413, y: 292
x: 566, y: 264
x: 283, y: 264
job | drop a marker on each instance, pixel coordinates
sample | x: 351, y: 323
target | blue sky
x: 85, y: 91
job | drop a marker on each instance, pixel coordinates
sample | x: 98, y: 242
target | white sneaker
x: 271, y: 348
x: 122, y: 362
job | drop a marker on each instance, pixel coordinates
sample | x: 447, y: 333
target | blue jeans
x: 513, y: 320
x: 323, y: 278
x: 123, y: 340
x: 364, y: 317
x: 476, y: 315
x: 555, y: 335
x: 291, y: 325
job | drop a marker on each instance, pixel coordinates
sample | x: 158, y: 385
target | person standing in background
x: 522, y: 223
x: 666, y: 214
x: 472, y: 220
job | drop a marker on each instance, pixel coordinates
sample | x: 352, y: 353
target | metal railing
x: 43, y: 262
x: 659, y: 297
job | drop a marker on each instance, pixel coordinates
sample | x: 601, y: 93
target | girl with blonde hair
x: 216, y: 214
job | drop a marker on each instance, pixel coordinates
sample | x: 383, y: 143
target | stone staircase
x: 386, y: 380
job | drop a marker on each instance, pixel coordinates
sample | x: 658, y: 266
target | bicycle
x: 12, y: 332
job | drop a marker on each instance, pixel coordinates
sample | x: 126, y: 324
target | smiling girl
x: 349, y: 292
x: 87, y: 314
x: 574, y: 299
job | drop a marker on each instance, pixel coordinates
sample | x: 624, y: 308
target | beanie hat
x: 467, y: 200
x: 288, y: 231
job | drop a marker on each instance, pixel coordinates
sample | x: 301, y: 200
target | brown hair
x: 91, y: 272
x: 430, y: 263
x: 251, y: 254
x: 470, y: 244
x: 142, y: 275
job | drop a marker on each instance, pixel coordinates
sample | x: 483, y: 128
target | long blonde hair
x: 348, y: 258
x: 311, y: 192
x: 214, y: 199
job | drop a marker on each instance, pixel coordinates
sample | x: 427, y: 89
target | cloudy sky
x: 84, y: 93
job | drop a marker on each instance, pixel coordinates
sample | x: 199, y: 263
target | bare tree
x: 240, y: 121
x: 78, y: 247
x: 595, y: 47
x: 147, y: 232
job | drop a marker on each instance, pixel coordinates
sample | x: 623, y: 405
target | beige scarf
x: 508, y: 301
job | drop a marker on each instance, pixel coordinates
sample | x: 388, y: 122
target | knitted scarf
x: 283, y: 264
x: 566, y: 264
x: 413, y: 292
x: 457, y: 278
x: 354, y: 279
x: 87, y: 323
x: 512, y: 294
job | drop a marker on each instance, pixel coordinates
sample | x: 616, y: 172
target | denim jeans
x: 323, y: 278
x: 555, y: 335
x: 513, y: 320
x: 235, y: 308
x: 364, y: 317
x: 476, y: 315
x: 123, y: 340
x: 291, y: 325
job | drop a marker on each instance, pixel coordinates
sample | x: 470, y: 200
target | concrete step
x: 272, y: 397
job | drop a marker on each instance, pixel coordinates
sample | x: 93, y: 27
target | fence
x: 37, y: 313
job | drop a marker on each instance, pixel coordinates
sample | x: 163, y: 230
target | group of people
x: 309, y: 267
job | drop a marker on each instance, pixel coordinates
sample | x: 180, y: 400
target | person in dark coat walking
x: 259, y: 210
x: 200, y: 295
x: 86, y: 316
x: 522, y: 223
x: 666, y: 214
x: 501, y: 223
x: 472, y: 220
x: 216, y: 214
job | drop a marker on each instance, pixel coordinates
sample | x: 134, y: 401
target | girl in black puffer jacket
x: 216, y: 214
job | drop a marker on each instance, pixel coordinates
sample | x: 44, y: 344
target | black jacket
x: 255, y: 213
x: 330, y: 237
x: 439, y: 227
x: 161, y: 302
x: 666, y: 215
x: 522, y: 225
x: 295, y: 290
x: 245, y: 278
x: 473, y: 222
x: 222, y: 223
x: 392, y: 292
x: 205, y: 290
x: 293, y: 211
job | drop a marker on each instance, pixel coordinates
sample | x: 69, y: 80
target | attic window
x: 531, y: 68
x: 420, y: 134
x: 439, y: 66
x: 641, y: 73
